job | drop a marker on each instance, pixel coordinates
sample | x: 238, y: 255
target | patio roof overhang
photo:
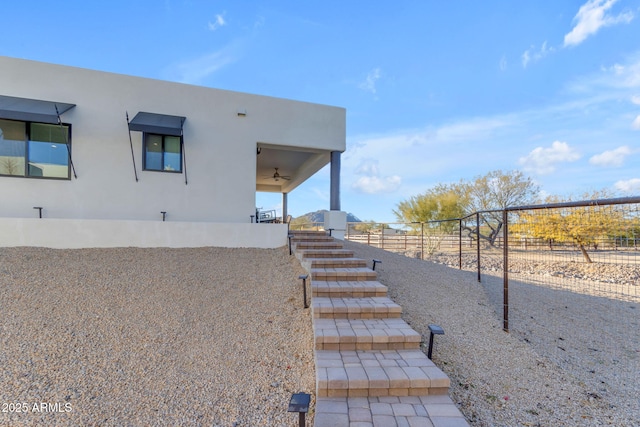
x: 294, y: 166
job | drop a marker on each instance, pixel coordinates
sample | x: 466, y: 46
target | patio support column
x: 335, y: 219
x: 335, y: 181
x: 284, y: 206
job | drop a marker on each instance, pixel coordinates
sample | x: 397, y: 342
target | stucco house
x: 95, y: 159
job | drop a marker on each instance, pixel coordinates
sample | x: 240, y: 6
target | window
x: 32, y: 149
x: 162, y: 153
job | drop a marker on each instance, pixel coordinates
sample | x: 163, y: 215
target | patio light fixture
x: 164, y: 215
x: 39, y: 210
x: 375, y: 261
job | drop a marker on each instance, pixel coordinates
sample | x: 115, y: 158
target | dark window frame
x: 163, y: 151
x: 27, y: 140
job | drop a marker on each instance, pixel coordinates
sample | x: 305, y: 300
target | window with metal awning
x: 162, y: 142
x: 37, y: 130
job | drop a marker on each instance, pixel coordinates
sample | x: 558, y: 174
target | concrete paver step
x: 377, y: 373
x: 316, y: 245
x: 348, y: 288
x: 337, y: 274
x: 325, y: 253
x: 308, y: 232
x: 365, y: 334
x: 389, y: 411
x: 354, y: 308
x: 336, y: 262
x: 318, y: 238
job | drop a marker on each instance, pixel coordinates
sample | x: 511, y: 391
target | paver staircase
x: 370, y: 370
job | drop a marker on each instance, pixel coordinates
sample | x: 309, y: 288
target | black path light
x: 290, y: 236
x: 300, y: 403
x: 330, y: 230
x: 304, y: 288
x: 375, y: 261
x: 164, y: 215
x: 434, y: 330
x: 39, y: 210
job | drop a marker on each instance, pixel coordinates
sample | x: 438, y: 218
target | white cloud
x: 196, y: 70
x: 591, y: 17
x: 628, y: 186
x: 323, y: 195
x: 636, y: 123
x: 635, y: 99
x: 534, y: 55
x: 611, y: 157
x: 544, y: 160
x: 369, y: 83
x: 217, y: 23
x: 371, y: 182
x: 503, y: 63
x: 471, y: 129
x: 526, y: 57
x: 375, y: 184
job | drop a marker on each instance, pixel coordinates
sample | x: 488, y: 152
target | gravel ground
x: 143, y: 337
x: 569, y: 360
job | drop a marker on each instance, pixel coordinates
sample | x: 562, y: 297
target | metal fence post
x: 505, y: 272
x: 460, y: 244
x: 422, y: 241
x: 478, y: 243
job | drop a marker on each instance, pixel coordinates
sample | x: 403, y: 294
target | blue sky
x: 435, y: 91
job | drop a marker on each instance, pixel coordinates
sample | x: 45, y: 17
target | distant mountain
x: 318, y: 216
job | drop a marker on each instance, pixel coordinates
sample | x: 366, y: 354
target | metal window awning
x: 32, y: 110
x: 162, y: 124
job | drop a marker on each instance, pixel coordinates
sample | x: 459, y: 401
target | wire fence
x: 588, y: 247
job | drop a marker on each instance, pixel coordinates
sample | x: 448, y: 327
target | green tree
x: 365, y: 226
x: 495, y: 190
x: 583, y: 226
x: 300, y: 223
x: 440, y: 202
x: 498, y: 190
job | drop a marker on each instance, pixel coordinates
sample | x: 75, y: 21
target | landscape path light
x: 434, y: 330
x: 304, y: 288
x: 300, y: 403
x: 375, y: 261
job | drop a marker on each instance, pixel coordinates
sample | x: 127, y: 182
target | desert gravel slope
x: 143, y: 337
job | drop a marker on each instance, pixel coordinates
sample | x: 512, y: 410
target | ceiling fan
x: 277, y: 177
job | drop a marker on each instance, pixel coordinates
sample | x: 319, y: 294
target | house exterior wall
x: 220, y: 152
x: 220, y: 146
